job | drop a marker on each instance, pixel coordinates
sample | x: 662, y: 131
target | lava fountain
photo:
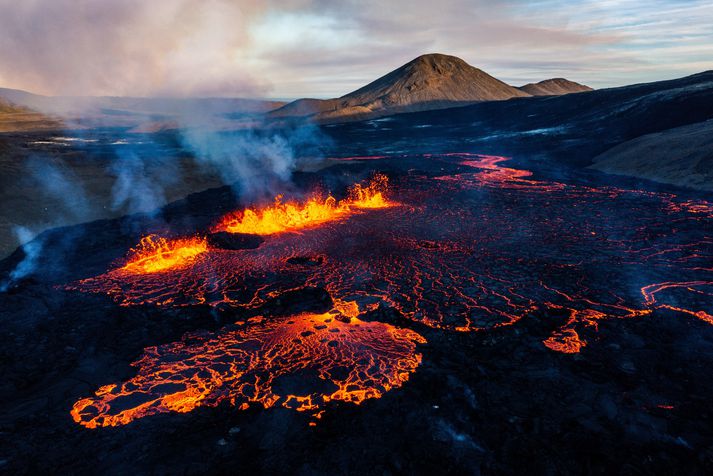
x: 293, y: 215
x: 154, y: 254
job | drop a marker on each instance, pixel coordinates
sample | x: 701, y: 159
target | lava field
x: 475, y: 316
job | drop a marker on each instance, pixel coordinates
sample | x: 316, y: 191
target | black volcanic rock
x: 492, y: 402
x: 306, y: 260
x: 234, y: 241
x: 295, y: 301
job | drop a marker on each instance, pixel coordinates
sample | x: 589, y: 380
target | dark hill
x: 571, y: 129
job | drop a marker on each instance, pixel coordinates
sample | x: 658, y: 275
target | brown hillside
x: 554, y: 87
x: 430, y: 81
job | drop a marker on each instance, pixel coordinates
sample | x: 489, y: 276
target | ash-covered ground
x: 510, y: 320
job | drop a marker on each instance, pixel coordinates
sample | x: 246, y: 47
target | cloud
x: 323, y: 48
x: 126, y: 47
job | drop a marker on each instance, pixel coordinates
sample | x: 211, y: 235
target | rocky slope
x: 680, y: 156
x: 7, y: 107
x: 573, y: 129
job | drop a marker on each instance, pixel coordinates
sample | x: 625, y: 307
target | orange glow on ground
x: 154, y: 254
x: 443, y: 260
x: 290, y: 216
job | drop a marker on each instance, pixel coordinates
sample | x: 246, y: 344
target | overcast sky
x: 325, y: 48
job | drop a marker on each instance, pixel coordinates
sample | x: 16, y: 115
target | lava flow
x: 290, y: 216
x: 456, y: 258
x: 478, y: 246
x: 154, y: 254
x: 302, y: 363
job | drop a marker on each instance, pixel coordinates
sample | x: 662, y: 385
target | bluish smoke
x: 61, y: 186
x: 31, y: 249
x: 141, y: 181
x: 256, y: 162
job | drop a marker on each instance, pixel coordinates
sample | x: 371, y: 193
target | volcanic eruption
x: 249, y: 238
x: 293, y: 215
x: 154, y: 254
x: 436, y: 264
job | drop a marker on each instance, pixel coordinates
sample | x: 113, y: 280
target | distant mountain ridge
x: 431, y: 81
x: 135, y: 105
x: 554, y: 87
x: 137, y: 112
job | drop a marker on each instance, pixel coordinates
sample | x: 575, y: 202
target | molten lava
x: 302, y: 362
x: 371, y: 195
x: 703, y: 290
x: 566, y: 341
x: 154, y: 254
x: 290, y: 216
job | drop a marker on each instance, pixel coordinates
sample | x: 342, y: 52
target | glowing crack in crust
x: 703, y: 290
x: 302, y: 362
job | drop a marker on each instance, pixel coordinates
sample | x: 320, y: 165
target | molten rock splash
x: 154, y: 254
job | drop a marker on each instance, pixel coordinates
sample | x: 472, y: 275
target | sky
x: 327, y: 48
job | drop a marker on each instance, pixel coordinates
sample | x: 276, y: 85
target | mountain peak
x: 435, y: 60
x: 430, y: 81
x: 435, y: 77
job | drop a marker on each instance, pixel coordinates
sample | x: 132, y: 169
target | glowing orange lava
x: 693, y: 287
x: 455, y: 258
x: 290, y: 216
x: 154, y: 254
x: 302, y: 362
x: 566, y: 341
x: 371, y: 195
